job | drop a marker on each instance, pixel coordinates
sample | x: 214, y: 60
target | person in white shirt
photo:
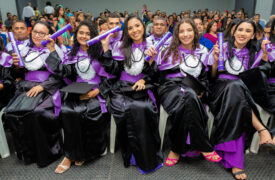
x: 21, y: 35
x: 48, y: 9
x: 27, y: 13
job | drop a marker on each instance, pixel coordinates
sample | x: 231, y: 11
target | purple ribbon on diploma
x: 221, y: 60
x: 102, y: 36
x: 15, y: 49
x: 268, y: 45
x: 160, y: 43
x: 57, y: 33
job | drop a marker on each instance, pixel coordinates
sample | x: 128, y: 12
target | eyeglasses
x: 40, y: 34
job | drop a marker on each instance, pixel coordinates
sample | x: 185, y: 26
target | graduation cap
x: 192, y: 82
x: 256, y: 82
x: 78, y: 88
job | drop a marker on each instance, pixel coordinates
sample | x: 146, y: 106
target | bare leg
x: 264, y: 135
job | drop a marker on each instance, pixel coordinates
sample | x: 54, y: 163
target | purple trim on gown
x: 232, y: 153
x: 133, y: 163
x: 191, y: 154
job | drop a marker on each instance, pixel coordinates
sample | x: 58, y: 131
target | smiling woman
x: 84, y: 116
x: 232, y: 103
x: 183, y: 102
x: 33, y: 112
x: 132, y: 105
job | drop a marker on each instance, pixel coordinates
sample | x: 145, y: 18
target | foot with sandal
x: 238, y: 173
x: 63, y: 166
x: 173, y: 157
x: 66, y: 164
x: 266, y: 142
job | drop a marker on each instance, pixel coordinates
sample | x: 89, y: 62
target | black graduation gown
x: 84, y: 123
x: 35, y: 127
x: 136, y: 117
x: 186, y: 112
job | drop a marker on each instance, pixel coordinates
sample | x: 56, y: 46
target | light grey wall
x: 7, y: 6
x: 170, y: 6
x: 264, y: 7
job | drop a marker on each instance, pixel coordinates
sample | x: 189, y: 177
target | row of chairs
x: 265, y: 116
x: 4, y: 149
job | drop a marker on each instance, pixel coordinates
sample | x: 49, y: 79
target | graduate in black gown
x: 6, y: 81
x: 32, y: 114
x: 133, y: 106
x: 268, y: 103
x: 113, y: 20
x: 21, y: 35
x: 180, y: 101
x: 84, y: 116
x: 235, y: 112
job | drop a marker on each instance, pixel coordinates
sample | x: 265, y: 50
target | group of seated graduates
x: 115, y: 69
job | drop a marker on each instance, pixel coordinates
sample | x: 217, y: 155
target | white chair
x: 112, y: 135
x: 4, y: 148
x: 162, y: 126
x: 210, y: 120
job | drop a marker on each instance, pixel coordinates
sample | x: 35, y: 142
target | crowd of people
x: 67, y: 84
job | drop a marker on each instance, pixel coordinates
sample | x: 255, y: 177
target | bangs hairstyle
x: 93, y: 50
x: 43, y: 23
x: 173, y: 48
x: 251, y: 44
x: 126, y: 46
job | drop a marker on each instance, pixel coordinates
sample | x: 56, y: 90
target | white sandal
x: 65, y: 168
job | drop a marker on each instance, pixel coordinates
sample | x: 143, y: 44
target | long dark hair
x: 227, y: 32
x: 93, y: 50
x: 209, y: 26
x: 272, y: 34
x: 45, y: 24
x: 251, y: 44
x: 176, y: 41
x: 2, y: 46
x: 126, y: 46
x: 57, y: 9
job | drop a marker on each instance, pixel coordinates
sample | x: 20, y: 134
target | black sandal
x: 266, y: 146
x: 238, y: 173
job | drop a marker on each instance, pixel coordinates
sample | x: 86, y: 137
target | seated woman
x: 32, y: 114
x: 268, y: 103
x: 132, y: 106
x: 185, y: 109
x: 6, y: 81
x: 211, y: 32
x: 84, y: 116
x: 236, y: 114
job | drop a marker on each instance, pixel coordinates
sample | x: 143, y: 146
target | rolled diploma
x: 57, y: 33
x: 102, y: 36
x: 221, y: 60
x: 15, y: 49
x: 160, y: 43
x: 268, y: 45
